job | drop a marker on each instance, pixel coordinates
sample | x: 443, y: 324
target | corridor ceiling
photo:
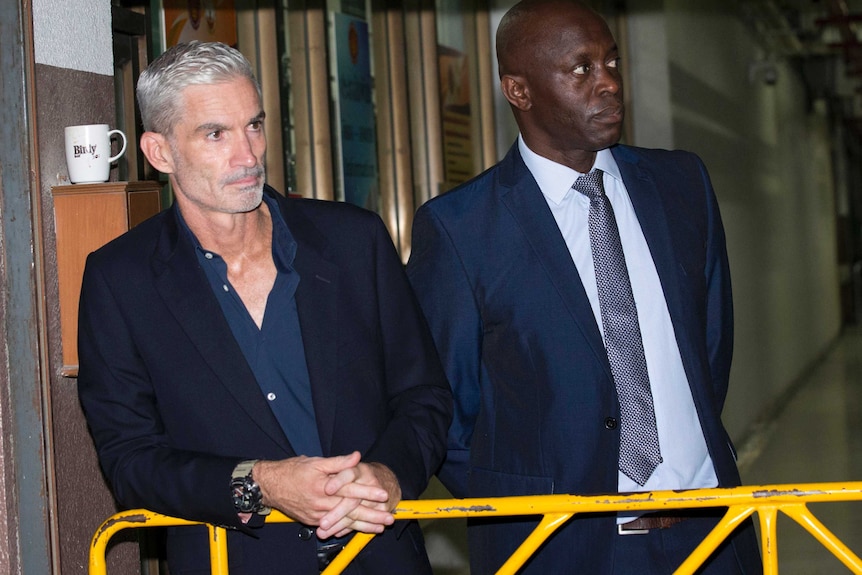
x: 828, y: 32
x: 823, y: 38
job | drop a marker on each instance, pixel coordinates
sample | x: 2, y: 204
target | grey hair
x: 189, y: 64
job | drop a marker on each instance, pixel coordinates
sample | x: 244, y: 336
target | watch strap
x: 243, y: 468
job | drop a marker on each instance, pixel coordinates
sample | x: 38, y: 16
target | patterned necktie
x: 639, y: 448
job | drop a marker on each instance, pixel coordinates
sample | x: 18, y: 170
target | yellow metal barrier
x: 741, y: 502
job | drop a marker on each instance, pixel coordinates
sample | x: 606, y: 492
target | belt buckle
x: 622, y: 531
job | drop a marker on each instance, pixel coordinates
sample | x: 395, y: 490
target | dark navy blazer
x: 173, y: 406
x: 535, y: 402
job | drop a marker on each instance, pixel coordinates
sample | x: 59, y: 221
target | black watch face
x: 246, y: 495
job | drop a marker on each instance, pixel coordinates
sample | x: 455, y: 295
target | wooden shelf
x: 86, y: 217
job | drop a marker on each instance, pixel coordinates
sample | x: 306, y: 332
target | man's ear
x: 155, y: 147
x: 515, y: 90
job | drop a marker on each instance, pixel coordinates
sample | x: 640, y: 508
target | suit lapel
x: 524, y: 199
x: 188, y: 295
x: 652, y: 209
x: 317, y: 306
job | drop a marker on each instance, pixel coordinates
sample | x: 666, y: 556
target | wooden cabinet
x: 86, y: 217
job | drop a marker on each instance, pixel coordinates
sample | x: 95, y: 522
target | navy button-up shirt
x: 274, y: 351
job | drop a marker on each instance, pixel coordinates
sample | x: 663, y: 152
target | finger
x: 335, y: 515
x: 370, y: 493
x: 365, y: 515
x: 339, y: 480
x: 360, y: 518
x: 369, y: 524
x: 341, y: 528
x: 337, y: 464
x: 338, y: 520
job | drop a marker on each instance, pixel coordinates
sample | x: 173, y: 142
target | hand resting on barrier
x: 338, y: 494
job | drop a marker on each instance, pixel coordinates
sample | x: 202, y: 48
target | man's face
x: 217, y: 148
x: 570, y: 69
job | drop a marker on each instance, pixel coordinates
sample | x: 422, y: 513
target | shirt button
x: 208, y: 256
x: 225, y: 288
x: 270, y: 396
x: 610, y: 423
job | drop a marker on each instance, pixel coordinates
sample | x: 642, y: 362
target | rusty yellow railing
x: 741, y: 502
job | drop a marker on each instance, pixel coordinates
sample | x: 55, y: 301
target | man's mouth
x: 247, y: 177
x: 612, y: 113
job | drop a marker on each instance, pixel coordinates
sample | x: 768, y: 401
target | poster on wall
x: 455, y: 104
x: 356, y: 142
x: 204, y: 20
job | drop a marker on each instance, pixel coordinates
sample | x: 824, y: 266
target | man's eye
x: 256, y: 125
x: 615, y: 63
x: 215, y: 135
x: 581, y: 70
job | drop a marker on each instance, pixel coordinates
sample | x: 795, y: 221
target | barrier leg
x: 218, y: 550
x: 351, y: 550
x: 802, y: 515
x: 769, y: 539
x: 550, y: 523
x: 735, y: 515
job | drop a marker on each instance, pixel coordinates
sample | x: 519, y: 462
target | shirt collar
x: 555, y: 180
x: 284, y: 246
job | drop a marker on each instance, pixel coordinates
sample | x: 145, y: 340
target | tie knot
x: 590, y: 184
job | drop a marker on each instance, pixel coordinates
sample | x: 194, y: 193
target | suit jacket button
x: 610, y: 423
x: 306, y: 533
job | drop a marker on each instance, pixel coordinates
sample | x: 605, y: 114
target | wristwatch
x: 245, y: 491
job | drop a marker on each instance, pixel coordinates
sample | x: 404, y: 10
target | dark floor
x: 815, y: 435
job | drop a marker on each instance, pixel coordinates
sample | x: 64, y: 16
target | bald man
x: 511, y: 270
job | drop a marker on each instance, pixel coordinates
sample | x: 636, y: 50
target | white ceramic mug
x: 88, y: 152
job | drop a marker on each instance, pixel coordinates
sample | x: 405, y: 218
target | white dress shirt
x: 686, y: 461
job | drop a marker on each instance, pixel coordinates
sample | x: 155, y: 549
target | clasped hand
x: 338, y: 494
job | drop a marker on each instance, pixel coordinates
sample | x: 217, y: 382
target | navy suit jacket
x: 535, y: 403
x: 173, y: 406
